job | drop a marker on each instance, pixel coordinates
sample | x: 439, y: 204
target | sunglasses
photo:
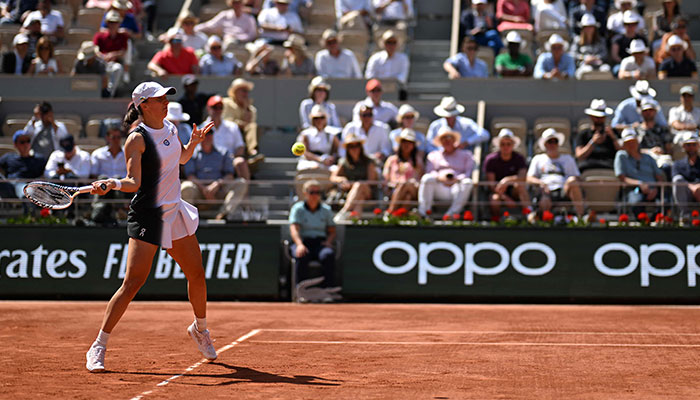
x: 471, y: 48
x: 319, y: 117
x: 217, y: 107
x: 23, y: 141
x: 215, y: 48
x: 316, y: 192
x: 187, y: 22
x: 390, y: 42
x: 409, y: 116
x: 354, y: 146
x: 552, y: 141
x: 367, y: 115
x: 330, y: 42
x: 376, y: 90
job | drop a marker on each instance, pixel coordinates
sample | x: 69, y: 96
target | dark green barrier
x: 66, y: 262
x: 499, y: 264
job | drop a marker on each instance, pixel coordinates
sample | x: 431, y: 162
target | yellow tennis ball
x: 298, y: 148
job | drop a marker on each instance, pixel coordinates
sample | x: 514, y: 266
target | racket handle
x: 87, y: 189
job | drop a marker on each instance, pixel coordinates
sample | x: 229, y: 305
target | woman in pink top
x: 403, y: 170
x: 513, y: 14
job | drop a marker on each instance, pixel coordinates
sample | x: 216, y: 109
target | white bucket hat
x: 548, y: 134
x: 406, y: 109
x: 505, y: 133
x: 318, y: 111
x: 629, y: 134
x: 676, y: 40
x: 598, y: 108
x: 630, y: 17
x: 588, y: 20
x: 406, y: 134
x: 446, y: 130
x: 637, y: 46
x: 175, y: 112
x: 514, y: 37
x: 641, y: 89
x: 146, y: 90
x: 689, y: 137
x: 448, y: 107
x: 556, y: 39
x: 318, y: 82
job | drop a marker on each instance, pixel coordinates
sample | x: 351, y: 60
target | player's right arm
x: 133, y: 149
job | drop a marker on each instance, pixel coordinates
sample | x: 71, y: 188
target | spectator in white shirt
x: 277, y: 23
x: 348, y: 12
x: 383, y: 110
x: 186, y: 25
x: 45, y: 130
x: 374, y: 133
x: 638, y: 65
x: 685, y: 117
x: 388, y: 63
x: 334, y: 61
x: 68, y: 162
x: 615, y: 24
x: 234, y: 25
x: 548, y: 16
x: 51, y: 21
x: 227, y: 136
x: 393, y: 12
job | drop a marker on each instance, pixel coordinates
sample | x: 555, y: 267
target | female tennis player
x: 157, y: 215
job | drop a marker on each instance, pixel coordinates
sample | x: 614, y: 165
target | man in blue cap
x: 19, y: 166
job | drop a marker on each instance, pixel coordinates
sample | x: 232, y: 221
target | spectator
x: 238, y: 107
x: 321, y: 143
x: 18, y: 61
x: 33, y: 32
x: 174, y: 59
x: 589, y: 49
x: 354, y: 169
x: 388, y: 63
x: 506, y: 172
x: 383, y: 110
x: 513, y: 62
x: 597, y: 145
x: 276, y: 24
x: 227, y: 136
x: 466, y: 64
x: 556, y: 174
x: 296, y: 59
x: 45, y: 130
x: 686, y: 174
x: 655, y: 140
x: 299, y: 7
x: 179, y: 119
x: 14, y: 10
x: 685, y: 117
x: 662, y: 21
x: 587, y: 7
x: 313, y: 233
x: 68, y: 161
x: 191, y: 38
x: 621, y: 42
x: 556, y: 63
x: 637, y: 171
x: 638, y: 65
x: 407, y: 118
x: 678, y: 65
x: 108, y: 162
x: 627, y: 114
x: 617, y: 20
x: 513, y: 15
x: 403, y: 171
x: 21, y: 165
x: 479, y: 23
x: 393, y: 12
x: 449, y: 112
x: 112, y: 48
x: 87, y: 62
x: 44, y: 63
x: 549, y: 17
x: 447, y: 174
x: 334, y: 61
x: 374, y: 134
x: 234, y: 24
x: 216, y: 62
x: 260, y: 62
x: 193, y: 101
x: 679, y: 28
x: 210, y: 176
x: 128, y: 23
x: 319, y: 93
x: 51, y: 21
x: 353, y: 14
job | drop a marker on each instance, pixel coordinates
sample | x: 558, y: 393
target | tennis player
x: 157, y: 215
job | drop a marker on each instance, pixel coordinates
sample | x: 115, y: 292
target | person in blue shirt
x: 465, y: 64
x: 556, y: 63
x: 216, y: 62
x: 470, y: 132
x: 129, y: 22
x: 686, y: 174
x: 21, y: 165
x: 628, y: 112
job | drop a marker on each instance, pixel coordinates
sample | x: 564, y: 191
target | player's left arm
x: 196, y: 138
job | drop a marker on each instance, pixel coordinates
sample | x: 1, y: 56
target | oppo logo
x: 642, y: 261
x: 462, y: 257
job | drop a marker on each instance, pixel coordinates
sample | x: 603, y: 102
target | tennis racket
x: 53, y: 196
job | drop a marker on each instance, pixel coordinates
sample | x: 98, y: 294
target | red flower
x: 695, y: 214
x: 455, y: 217
x: 401, y: 212
x: 643, y: 217
x: 446, y: 217
x: 495, y: 218
x: 354, y: 214
x: 547, y: 216
x: 624, y: 218
x: 696, y: 222
x: 468, y: 216
x: 45, y: 212
x: 428, y: 212
x: 569, y: 218
x: 669, y: 220
x: 526, y: 211
x: 602, y: 221
x: 506, y: 214
x: 659, y: 218
x: 377, y: 211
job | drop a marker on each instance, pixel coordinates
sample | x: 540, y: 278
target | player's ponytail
x: 132, y: 114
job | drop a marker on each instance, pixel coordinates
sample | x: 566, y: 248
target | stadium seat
x: 354, y: 38
x: 76, y: 36
x: 6, y: 148
x: 596, y: 75
x: 90, y: 18
x: 583, y: 124
x: 6, y: 140
x: 561, y: 124
x: 486, y: 55
x: 92, y: 127
x: 66, y: 59
x: 90, y: 144
x: 66, y: 12
x: 605, y: 193
x: 14, y: 122
x: 7, y: 34
x: 321, y: 18
x: 209, y: 11
x: 321, y: 175
x: 517, y: 125
x: 73, y: 123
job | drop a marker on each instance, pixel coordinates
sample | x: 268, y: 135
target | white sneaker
x: 96, y: 358
x: 204, y: 342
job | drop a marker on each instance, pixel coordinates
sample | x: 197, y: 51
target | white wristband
x: 117, y: 184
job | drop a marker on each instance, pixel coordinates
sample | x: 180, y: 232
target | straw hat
x: 352, y: 138
x: 548, y: 134
x: 239, y: 82
x: 556, y: 39
x: 295, y: 41
x: 327, y: 35
x: 256, y: 47
x: 676, y: 40
x: 189, y: 15
x: 448, y: 107
x: 87, y: 50
x: 637, y: 46
x: 175, y: 112
x: 505, y: 133
x: 318, y: 111
x: 598, y: 108
x: 630, y: 17
x: 406, y: 109
x: 641, y: 89
x: 389, y: 34
x: 446, y: 131
x: 406, y: 134
x: 318, y: 82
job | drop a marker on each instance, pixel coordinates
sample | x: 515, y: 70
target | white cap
x: 637, y: 46
x: 113, y: 16
x: 688, y: 89
x: 513, y: 37
x: 213, y: 39
x: 689, y: 137
x: 630, y: 17
x: 475, y: 2
x: 588, y: 20
x: 629, y: 134
x: 146, y: 90
x: 20, y: 38
x: 175, y: 112
x: 676, y: 40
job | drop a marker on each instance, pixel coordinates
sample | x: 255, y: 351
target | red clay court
x: 360, y: 351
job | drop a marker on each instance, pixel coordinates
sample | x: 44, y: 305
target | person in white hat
x: 388, y: 63
x: 577, y: 11
x: 375, y: 133
x: 407, y: 118
x: 51, y: 21
x: 234, y: 24
x: 465, y: 64
x: 278, y: 22
x: 616, y: 21
x: 333, y: 61
x: 449, y: 112
x: 128, y: 22
x: 506, y: 170
x: 679, y: 27
x: 685, y: 116
x: 678, y: 65
x: 638, y: 171
x: 384, y: 111
x: 296, y: 58
x: 87, y: 62
x: 179, y: 118
x: 621, y: 41
x: 403, y: 171
x: 596, y: 145
x: 589, y: 48
x: 513, y: 62
x: 654, y: 139
x: 627, y: 112
x: 638, y: 65
x: 158, y: 217
x: 17, y: 61
x: 555, y: 174
x: 686, y: 174
x: 555, y: 63
x: 217, y: 63
x: 447, y: 174
x: 319, y: 94
x: 321, y: 140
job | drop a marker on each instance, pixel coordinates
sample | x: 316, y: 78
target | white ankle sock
x: 200, y: 324
x: 102, y: 338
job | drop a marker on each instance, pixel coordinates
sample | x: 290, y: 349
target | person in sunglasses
x: 465, y: 64
x: 24, y: 164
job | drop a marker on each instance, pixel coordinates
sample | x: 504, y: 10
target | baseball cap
x: 648, y: 103
x: 689, y: 137
x: 688, y: 89
x: 19, y: 134
x: 20, y: 38
x: 146, y: 90
x: 67, y: 143
x: 629, y: 134
x: 214, y: 100
x: 113, y: 16
x: 189, y: 79
x: 372, y: 84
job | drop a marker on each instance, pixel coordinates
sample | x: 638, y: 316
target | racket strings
x: 48, y: 196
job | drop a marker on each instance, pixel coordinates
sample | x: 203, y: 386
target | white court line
x: 477, y: 343
x: 197, y: 364
x: 486, y: 332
